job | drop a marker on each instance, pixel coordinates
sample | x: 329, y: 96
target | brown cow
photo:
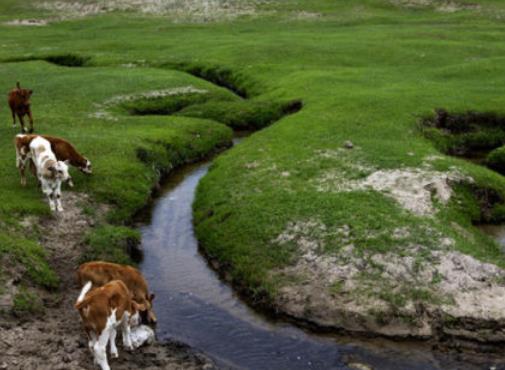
x: 100, y: 273
x: 19, y: 102
x: 102, y: 311
x: 63, y: 150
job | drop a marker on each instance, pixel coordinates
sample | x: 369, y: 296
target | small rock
x: 348, y: 144
x: 359, y: 366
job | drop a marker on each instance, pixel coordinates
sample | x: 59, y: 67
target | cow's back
x: 100, y: 273
x: 22, y: 142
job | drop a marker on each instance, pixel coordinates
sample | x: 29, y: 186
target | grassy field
x: 366, y: 71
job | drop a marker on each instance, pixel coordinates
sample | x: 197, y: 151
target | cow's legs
x: 13, y: 118
x: 49, y: 193
x: 91, y: 345
x: 57, y: 195
x: 31, y: 120
x: 20, y: 117
x: 21, y: 165
x: 33, y: 169
x: 113, y: 348
x: 99, y: 349
x: 125, y: 331
x: 52, y: 202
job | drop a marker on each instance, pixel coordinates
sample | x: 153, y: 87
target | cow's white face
x: 62, y: 171
x: 87, y: 168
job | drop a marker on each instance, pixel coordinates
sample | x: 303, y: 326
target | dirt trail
x: 54, y: 339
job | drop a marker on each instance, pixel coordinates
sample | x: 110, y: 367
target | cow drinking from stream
x: 100, y: 273
x: 102, y: 311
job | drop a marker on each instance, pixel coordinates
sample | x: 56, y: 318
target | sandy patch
x: 27, y: 22
x: 415, y: 189
x: 155, y: 94
x: 360, y: 290
x: 103, y: 114
x: 178, y: 10
x: 305, y: 16
x: 444, y: 6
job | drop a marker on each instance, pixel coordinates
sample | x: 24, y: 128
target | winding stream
x: 194, y: 306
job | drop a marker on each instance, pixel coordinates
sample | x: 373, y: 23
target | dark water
x: 195, y: 307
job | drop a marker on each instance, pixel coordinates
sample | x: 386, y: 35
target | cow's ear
x: 151, y: 297
x: 30, y: 92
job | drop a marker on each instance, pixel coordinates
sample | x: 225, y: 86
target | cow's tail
x: 85, y: 289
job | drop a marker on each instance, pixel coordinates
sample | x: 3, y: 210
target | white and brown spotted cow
x: 103, y: 310
x: 50, y: 172
x: 62, y: 149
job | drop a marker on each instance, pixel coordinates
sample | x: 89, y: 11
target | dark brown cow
x: 19, y: 102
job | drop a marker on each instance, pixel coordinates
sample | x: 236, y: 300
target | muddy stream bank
x: 195, y: 307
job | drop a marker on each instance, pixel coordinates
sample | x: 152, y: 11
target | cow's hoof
x: 114, y: 355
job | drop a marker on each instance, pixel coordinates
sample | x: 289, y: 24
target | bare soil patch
x: 446, y: 294
x: 176, y: 10
x: 53, y: 338
x: 444, y: 6
x: 414, y: 189
x: 27, y: 22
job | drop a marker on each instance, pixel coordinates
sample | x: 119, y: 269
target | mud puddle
x: 194, y: 306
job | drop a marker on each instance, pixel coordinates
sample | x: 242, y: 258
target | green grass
x: 111, y: 243
x: 366, y: 71
x: 26, y: 302
x: 496, y: 160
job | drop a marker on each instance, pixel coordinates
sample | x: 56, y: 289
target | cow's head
x: 86, y: 168
x: 24, y: 95
x: 147, y: 315
x: 59, y: 171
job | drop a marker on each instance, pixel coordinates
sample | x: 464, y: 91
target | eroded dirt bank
x: 53, y: 338
x: 423, y: 288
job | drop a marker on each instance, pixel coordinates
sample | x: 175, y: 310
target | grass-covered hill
x: 378, y: 237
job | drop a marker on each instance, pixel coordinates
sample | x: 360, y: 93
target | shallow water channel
x: 195, y: 307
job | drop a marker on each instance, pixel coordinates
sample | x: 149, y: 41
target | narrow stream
x: 194, y: 306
